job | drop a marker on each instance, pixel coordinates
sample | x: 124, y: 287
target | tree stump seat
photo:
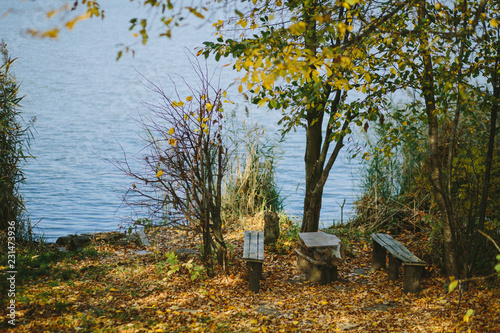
x: 253, y: 254
x: 319, y: 254
x: 399, y: 254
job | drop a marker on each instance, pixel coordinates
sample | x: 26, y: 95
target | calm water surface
x: 85, y: 104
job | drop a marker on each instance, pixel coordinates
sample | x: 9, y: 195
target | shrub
x: 184, y: 164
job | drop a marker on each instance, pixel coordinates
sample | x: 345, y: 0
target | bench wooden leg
x: 328, y: 274
x: 378, y: 257
x: 254, y: 275
x: 412, y: 277
x: 394, y: 264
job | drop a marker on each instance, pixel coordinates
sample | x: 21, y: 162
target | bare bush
x: 184, y: 163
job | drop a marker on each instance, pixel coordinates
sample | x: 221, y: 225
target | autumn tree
x: 303, y: 58
x: 438, y: 50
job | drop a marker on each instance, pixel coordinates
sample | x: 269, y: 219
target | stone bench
x: 253, y: 254
x: 413, y: 266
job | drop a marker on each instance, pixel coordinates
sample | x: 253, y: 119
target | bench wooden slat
x: 253, y: 247
x: 397, y: 249
x: 319, y: 239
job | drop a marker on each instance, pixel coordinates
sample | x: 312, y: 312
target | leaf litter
x: 129, y: 289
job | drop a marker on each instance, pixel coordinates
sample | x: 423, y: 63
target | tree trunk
x: 443, y: 201
x: 314, y: 139
x: 312, y: 199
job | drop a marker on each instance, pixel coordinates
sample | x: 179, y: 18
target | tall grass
x: 250, y: 186
x: 14, y: 144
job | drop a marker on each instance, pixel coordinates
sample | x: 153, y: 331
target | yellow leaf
x: 298, y: 28
x: 172, y: 142
x: 452, y: 285
x: 51, y: 13
x: 345, y: 61
x: 71, y: 23
x: 158, y: 175
x: 352, y: 2
x: 177, y: 104
x: 218, y: 24
x: 189, y: 98
x: 171, y: 131
x: 469, y: 313
x: 195, y: 12
x: 494, y: 23
x: 209, y: 106
x: 51, y: 33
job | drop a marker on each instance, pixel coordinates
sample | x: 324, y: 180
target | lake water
x: 85, y: 104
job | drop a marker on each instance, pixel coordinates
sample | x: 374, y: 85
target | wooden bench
x: 253, y: 254
x: 413, y: 266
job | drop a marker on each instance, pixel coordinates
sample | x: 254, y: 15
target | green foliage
x: 195, y: 271
x: 250, y: 186
x: 171, y: 265
x: 14, y: 141
x: 394, y: 175
x: 397, y: 194
x: 289, y: 234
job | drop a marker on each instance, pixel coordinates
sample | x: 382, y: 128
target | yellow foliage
x: 53, y: 33
x: 177, y: 104
x: 298, y: 28
x: 70, y: 24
